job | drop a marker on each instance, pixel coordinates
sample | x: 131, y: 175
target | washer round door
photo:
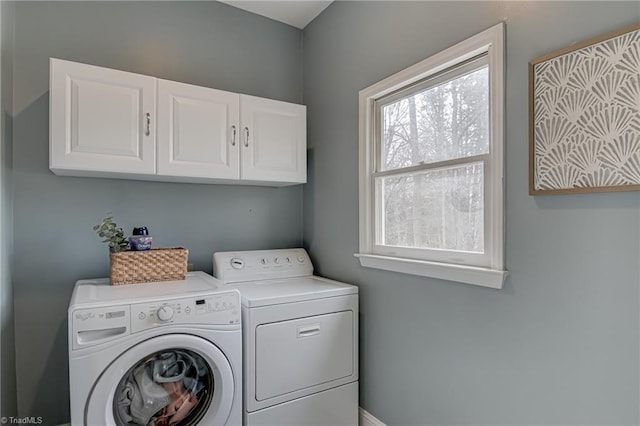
x: 175, y: 379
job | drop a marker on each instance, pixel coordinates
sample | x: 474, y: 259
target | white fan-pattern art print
x: 586, y: 118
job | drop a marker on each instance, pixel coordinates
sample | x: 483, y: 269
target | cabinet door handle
x: 233, y: 135
x: 148, y: 131
x: 246, y: 139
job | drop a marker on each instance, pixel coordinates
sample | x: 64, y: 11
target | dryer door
x: 174, y: 379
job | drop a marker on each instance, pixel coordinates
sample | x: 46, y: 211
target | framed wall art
x: 584, y: 116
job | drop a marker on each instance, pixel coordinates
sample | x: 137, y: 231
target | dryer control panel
x: 239, y: 266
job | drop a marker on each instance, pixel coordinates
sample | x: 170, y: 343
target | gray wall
x: 205, y: 43
x: 560, y: 343
x: 7, y: 342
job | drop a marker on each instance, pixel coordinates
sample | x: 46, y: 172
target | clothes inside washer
x: 148, y: 397
x: 162, y: 390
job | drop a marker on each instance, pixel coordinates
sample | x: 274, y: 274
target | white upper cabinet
x: 102, y: 120
x: 104, y: 123
x: 198, y: 134
x: 274, y: 140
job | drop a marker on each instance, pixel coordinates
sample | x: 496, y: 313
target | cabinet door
x: 274, y: 140
x: 198, y: 134
x: 101, y: 120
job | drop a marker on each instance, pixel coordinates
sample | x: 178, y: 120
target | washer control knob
x: 276, y: 260
x: 165, y: 313
x: 300, y: 259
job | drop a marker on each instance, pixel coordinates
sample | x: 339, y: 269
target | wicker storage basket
x: 157, y: 264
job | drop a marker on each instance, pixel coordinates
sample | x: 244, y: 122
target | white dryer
x: 300, y: 339
x: 155, y: 353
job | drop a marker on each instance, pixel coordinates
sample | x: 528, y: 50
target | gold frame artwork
x: 584, y: 116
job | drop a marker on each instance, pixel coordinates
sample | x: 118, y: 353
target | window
x: 431, y: 166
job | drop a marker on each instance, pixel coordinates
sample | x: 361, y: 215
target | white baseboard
x: 367, y: 419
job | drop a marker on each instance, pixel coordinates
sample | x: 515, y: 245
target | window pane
x: 435, y: 209
x: 442, y: 122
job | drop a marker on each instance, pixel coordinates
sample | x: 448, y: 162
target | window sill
x: 484, y: 277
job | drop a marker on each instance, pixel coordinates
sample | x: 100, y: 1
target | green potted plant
x: 112, y: 234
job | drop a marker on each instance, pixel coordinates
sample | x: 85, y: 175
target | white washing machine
x: 300, y: 339
x: 158, y: 354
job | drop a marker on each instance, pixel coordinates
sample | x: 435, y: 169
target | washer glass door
x: 166, y: 380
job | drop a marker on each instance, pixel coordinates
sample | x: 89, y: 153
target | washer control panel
x: 255, y: 265
x: 219, y: 309
x: 94, y: 326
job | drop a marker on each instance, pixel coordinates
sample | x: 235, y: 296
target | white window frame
x: 486, y: 270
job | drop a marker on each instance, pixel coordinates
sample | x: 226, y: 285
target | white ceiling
x: 297, y: 13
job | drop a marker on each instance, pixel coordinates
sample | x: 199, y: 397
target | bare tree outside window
x: 441, y: 207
